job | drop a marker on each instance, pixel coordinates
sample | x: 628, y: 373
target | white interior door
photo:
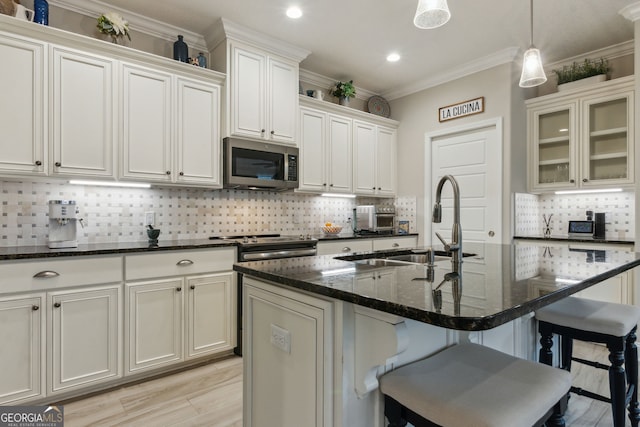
x: 473, y: 155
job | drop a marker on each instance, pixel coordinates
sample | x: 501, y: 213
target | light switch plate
x: 149, y: 218
x: 281, y: 338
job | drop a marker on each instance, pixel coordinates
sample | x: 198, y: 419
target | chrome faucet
x: 455, y: 247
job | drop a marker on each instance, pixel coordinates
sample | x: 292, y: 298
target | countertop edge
x: 577, y: 240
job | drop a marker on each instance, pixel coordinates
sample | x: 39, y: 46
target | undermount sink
x: 424, y: 258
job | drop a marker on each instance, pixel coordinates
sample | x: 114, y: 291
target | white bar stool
x: 472, y: 385
x: 599, y: 322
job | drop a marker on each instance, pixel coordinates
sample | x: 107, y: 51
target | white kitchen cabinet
x: 288, y: 348
x: 82, y: 114
x: 328, y: 247
x: 264, y: 95
x: 325, y: 152
x: 395, y: 243
x: 374, y: 168
x: 146, y: 124
x: 22, y: 106
x: 582, y: 138
x: 178, y: 306
x: 22, y: 330
x: 85, y: 337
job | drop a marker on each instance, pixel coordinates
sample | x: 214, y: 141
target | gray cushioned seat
x: 589, y: 315
x: 471, y: 385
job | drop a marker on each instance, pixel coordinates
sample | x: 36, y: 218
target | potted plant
x: 343, y: 91
x: 597, y: 69
x: 113, y: 25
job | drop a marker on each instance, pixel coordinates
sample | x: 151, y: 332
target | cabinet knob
x: 38, y: 163
x: 379, y: 188
x: 58, y: 164
x: 585, y: 180
x: 262, y: 131
x: 35, y: 308
x: 184, y: 262
x: 181, y: 174
x: 57, y: 305
x: 168, y: 172
x: 373, y: 188
x: 179, y: 289
x: 273, y: 132
x: 324, y: 184
x: 192, y: 287
x: 346, y: 249
x: 396, y: 245
x: 46, y: 274
x: 330, y: 185
x: 572, y: 181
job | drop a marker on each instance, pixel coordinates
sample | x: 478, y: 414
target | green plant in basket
x: 344, y: 90
x: 582, y: 70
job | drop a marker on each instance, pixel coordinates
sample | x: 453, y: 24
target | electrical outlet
x: 281, y: 338
x: 149, y: 218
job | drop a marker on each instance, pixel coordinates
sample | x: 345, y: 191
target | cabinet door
x: 339, y: 155
x: 312, y: 150
x: 153, y: 324
x: 21, y: 355
x: 82, y: 118
x: 386, y: 162
x: 248, y: 93
x: 553, y: 133
x: 198, y: 138
x: 146, y: 124
x: 364, y: 164
x: 607, y: 155
x: 210, y: 314
x: 22, y: 138
x: 85, y: 335
x: 282, y: 101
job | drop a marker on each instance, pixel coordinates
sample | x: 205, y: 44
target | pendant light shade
x: 532, y: 70
x: 431, y: 14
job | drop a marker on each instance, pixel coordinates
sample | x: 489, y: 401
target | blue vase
x: 41, y: 12
x: 202, y: 60
x: 180, y: 50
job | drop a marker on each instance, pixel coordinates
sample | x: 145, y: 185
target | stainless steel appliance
x: 253, y: 165
x: 265, y: 247
x: 375, y: 219
x: 63, y: 228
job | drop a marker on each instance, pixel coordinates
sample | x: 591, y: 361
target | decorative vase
x: 344, y: 101
x: 41, y: 12
x: 180, y: 50
x: 202, y: 60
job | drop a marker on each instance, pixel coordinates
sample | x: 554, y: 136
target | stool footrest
x: 582, y: 392
x: 590, y: 363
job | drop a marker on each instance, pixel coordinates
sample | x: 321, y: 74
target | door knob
x: 491, y: 233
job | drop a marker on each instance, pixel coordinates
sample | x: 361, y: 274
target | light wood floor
x: 211, y: 395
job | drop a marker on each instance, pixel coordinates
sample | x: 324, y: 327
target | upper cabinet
x: 583, y: 138
x: 262, y: 86
x: 374, y: 171
x: 22, y: 106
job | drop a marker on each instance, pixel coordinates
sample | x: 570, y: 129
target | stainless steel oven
x: 265, y: 247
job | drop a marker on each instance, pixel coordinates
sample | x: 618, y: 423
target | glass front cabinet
x: 582, y: 138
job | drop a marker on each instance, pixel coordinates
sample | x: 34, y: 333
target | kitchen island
x: 320, y: 330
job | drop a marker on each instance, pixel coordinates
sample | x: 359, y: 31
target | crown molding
x: 230, y: 30
x: 631, y: 12
x: 319, y: 80
x: 609, y: 52
x: 501, y: 57
x: 137, y: 22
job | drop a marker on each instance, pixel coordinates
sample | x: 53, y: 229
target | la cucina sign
x: 461, y: 109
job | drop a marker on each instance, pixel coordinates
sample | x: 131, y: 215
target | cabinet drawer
x: 24, y: 276
x: 394, y: 243
x: 178, y: 263
x: 344, y: 247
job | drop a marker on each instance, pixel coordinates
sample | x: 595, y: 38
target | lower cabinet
x: 328, y: 247
x: 176, y: 319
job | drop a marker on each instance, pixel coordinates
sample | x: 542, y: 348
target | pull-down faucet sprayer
x: 455, y: 247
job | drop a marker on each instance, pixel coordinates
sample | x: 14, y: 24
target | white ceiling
x: 350, y: 39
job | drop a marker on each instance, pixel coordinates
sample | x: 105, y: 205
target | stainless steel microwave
x: 254, y: 165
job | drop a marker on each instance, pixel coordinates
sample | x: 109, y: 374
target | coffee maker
x: 63, y: 224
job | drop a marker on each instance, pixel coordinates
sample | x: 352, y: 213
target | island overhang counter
x: 349, y: 319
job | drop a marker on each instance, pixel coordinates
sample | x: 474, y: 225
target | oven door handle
x: 277, y: 254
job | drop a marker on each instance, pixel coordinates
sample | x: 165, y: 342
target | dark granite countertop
x: 499, y: 284
x: 26, y: 252
x: 566, y: 238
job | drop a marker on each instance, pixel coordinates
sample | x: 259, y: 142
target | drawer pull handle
x: 35, y: 308
x: 57, y: 305
x: 396, y: 245
x: 46, y: 274
x: 346, y: 249
x: 179, y: 289
x: 184, y: 262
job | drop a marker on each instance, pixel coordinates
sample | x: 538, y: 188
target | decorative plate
x: 379, y: 106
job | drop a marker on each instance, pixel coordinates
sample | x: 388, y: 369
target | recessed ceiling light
x: 294, y: 12
x: 393, y: 57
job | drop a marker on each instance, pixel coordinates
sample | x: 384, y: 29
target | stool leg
x: 546, y: 341
x: 631, y: 368
x: 617, y: 385
x: 393, y: 412
x: 567, y: 352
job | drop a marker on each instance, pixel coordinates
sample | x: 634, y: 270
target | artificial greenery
x: 344, y: 90
x: 578, y: 71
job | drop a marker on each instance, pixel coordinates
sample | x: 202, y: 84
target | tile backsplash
x: 113, y: 214
x: 530, y: 208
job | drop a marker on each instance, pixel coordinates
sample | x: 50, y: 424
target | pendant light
x: 532, y: 71
x: 431, y: 14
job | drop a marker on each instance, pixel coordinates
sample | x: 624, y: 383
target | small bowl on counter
x: 332, y: 230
